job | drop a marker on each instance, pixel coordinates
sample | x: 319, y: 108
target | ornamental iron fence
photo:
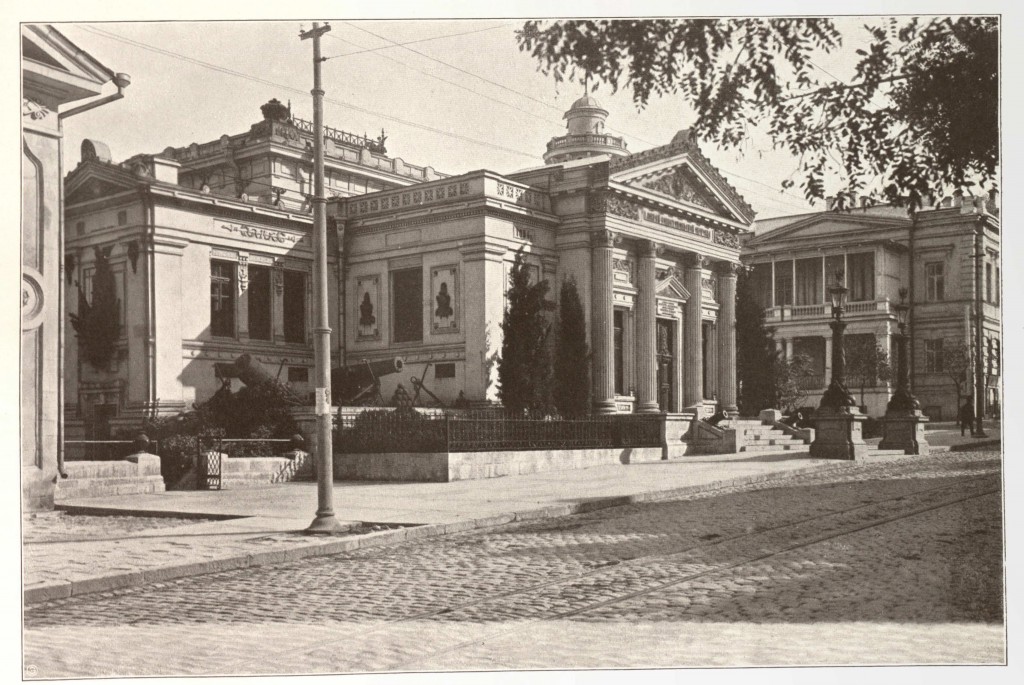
x: 383, y: 431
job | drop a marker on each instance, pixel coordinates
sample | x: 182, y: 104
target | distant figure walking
x: 966, y: 416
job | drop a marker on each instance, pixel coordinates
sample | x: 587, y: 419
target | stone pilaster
x: 727, y: 335
x: 646, y: 329
x: 693, y: 356
x: 601, y: 332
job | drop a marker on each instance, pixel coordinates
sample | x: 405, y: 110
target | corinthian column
x: 646, y: 330
x: 727, y: 335
x: 601, y: 333
x: 693, y: 354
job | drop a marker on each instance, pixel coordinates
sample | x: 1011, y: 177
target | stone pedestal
x: 905, y: 431
x: 838, y: 434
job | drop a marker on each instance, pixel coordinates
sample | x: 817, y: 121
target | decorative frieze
x: 622, y: 207
x: 410, y: 198
x: 530, y: 198
x: 726, y: 238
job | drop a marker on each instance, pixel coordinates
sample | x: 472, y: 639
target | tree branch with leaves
x: 919, y: 118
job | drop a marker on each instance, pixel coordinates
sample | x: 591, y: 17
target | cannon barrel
x: 349, y: 382
x: 249, y: 371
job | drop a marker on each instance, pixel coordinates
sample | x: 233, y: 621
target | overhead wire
x: 546, y: 104
x: 256, y: 79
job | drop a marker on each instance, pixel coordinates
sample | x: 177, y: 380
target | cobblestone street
x: 897, y: 562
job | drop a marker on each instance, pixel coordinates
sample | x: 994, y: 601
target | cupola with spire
x: 585, y: 136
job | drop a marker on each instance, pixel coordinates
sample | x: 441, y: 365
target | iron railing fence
x: 104, y: 450
x: 383, y: 431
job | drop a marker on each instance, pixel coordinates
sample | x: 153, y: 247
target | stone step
x: 774, y: 448
x: 875, y: 452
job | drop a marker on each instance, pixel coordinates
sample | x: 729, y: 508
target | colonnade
x: 722, y: 374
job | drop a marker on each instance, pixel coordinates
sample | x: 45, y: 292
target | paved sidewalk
x: 263, y: 525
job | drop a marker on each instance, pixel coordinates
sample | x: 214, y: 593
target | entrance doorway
x: 666, y: 340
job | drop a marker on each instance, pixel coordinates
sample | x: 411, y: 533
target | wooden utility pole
x: 324, y: 521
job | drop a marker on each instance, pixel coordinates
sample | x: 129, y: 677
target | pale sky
x: 433, y: 114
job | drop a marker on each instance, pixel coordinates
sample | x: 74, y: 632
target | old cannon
x: 351, y: 383
x: 252, y: 373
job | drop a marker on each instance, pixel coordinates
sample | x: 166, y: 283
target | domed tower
x: 585, y: 136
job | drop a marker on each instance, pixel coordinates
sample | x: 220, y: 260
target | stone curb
x: 328, y: 547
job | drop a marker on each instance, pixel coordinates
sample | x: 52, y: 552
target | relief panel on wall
x: 368, y: 308
x: 445, y: 298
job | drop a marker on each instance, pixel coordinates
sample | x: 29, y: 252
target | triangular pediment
x: 94, y: 180
x: 57, y: 71
x: 680, y: 172
x: 680, y: 183
x: 829, y: 225
x: 669, y: 288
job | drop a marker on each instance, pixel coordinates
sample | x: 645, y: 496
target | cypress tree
x: 571, y: 393
x: 755, y: 351
x: 524, y: 368
x: 96, y: 323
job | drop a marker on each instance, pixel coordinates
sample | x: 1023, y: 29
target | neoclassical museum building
x: 210, y: 249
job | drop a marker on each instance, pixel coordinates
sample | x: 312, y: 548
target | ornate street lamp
x: 837, y: 396
x: 903, y: 401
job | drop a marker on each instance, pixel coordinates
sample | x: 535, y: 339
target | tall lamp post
x: 838, y: 422
x: 903, y: 425
x: 837, y: 396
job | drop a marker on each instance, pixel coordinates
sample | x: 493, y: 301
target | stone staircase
x: 256, y: 471
x: 756, y: 436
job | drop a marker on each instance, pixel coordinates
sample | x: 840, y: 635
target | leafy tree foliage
x: 96, y: 323
x: 866, y: 362
x: 524, y: 369
x: 958, y: 364
x: 571, y: 392
x: 790, y: 386
x: 755, y: 351
x: 920, y: 116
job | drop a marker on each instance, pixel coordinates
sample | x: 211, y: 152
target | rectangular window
x: 617, y: 324
x: 935, y: 281
x: 222, y: 299
x: 933, y: 356
x: 808, y: 281
x: 298, y: 374
x: 122, y: 218
x: 784, y: 283
x: 861, y: 279
x: 997, y: 287
x: 294, y: 306
x: 988, y: 283
x: 407, y: 305
x: 444, y: 371
x: 761, y: 283
x: 80, y: 228
x: 259, y: 302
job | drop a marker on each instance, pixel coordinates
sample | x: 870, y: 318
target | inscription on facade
x: 268, y: 235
